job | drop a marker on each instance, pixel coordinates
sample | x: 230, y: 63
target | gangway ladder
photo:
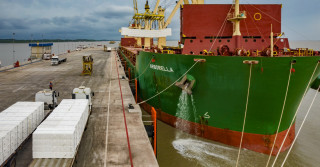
x: 151, y: 129
x: 87, y: 64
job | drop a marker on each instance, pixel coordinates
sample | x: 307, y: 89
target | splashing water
x: 205, y: 153
x: 185, y: 112
x: 182, y: 111
x: 194, y: 112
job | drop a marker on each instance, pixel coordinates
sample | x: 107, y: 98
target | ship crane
x: 152, y: 24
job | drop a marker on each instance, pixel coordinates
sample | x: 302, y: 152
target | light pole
x: 31, y: 48
x: 13, y: 47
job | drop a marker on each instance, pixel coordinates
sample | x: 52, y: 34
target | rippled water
x: 179, y: 149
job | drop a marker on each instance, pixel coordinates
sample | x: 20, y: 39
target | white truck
x: 49, y: 97
x: 83, y: 93
x: 55, y: 60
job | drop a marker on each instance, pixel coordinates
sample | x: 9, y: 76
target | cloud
x: 101, y: 19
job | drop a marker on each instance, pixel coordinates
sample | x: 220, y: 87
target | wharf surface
x: 104, y: 142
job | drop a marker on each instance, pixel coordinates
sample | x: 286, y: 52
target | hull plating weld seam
x: 124, y: 114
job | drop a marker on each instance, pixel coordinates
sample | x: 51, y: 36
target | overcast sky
x: 101, y: 19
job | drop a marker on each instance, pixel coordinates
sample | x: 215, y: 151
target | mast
x: 237, y: 21
x: 236, y: 17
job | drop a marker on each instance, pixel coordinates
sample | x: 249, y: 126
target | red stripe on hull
x: 255, y: 142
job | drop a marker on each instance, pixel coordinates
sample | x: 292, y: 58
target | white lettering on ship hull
x: 161, y: 68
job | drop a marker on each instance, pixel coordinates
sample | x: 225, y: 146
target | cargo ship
x: 233, y: 77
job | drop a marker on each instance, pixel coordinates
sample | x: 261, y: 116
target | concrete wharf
x: 104, y: 142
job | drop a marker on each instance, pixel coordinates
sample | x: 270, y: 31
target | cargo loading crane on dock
x: 150, y: 24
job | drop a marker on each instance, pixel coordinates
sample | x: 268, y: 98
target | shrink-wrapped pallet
x: 60, y: 134
x: 16, y: 123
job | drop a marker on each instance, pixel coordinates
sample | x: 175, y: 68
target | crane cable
x: 245, y: 115
x: 284, y: 104
x: 305, y: 92
x: 304, y: 119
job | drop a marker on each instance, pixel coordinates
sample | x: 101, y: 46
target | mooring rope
x: 305, y: 92
x: 304, y: 119
x: 171, y: 84
x: 245, y: 115
x: 284, y: 104
x: 142, y: 72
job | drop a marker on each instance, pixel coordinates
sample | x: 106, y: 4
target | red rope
x: 124, y: 115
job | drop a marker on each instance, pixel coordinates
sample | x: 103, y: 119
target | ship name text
x: 161, y: 68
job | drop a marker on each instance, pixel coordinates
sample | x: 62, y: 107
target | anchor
x: 187, y: 83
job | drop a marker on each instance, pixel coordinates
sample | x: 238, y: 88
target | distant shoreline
x: 49, y: 40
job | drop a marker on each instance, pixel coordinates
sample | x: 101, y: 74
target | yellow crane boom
x: 135, y: 6
x: 172, y: 13
x: 156, y: 7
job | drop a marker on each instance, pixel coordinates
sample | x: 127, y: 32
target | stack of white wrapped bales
x: 16, y: 123
x: 60, y: 134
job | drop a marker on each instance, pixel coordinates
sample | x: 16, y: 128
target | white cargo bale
x: 5, y: 152
x: 60, y: 134
x: 13, y: 131
x: 1, y: 150
x: 23, y: 120
x: 16, y: 124
x: 28, y: 115
x: 37, y: 107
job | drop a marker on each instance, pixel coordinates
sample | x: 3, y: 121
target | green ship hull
x: 217, y: 105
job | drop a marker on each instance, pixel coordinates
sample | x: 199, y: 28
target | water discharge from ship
x: 186, y: 110
x: 183, y: 112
